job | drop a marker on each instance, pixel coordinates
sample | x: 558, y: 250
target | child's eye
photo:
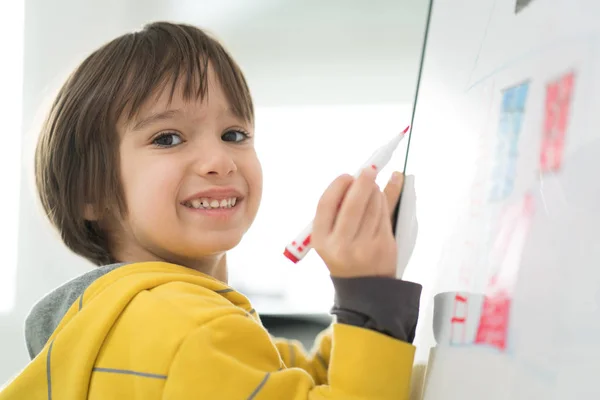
x: 235, y: 135
x: 167, y: 139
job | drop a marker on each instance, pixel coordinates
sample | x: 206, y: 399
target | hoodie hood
x: 47, y: 313
x: 67, y: 329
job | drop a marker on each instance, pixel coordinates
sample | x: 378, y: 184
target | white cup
x: 456, y: 317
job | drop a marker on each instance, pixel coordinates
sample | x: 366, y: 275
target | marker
x: 296, y: 250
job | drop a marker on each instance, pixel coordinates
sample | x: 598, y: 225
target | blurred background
x: 331, y: 80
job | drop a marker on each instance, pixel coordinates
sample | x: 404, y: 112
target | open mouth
x: 206, y: 203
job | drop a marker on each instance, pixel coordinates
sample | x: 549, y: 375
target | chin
x: 215, y: 245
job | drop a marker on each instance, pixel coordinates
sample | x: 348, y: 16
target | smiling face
x: 191, y: 179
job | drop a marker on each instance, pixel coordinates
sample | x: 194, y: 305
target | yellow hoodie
x: 160, y: 331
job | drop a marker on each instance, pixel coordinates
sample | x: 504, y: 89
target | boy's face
x: 191, y: 178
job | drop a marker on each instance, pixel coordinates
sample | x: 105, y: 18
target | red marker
x: 298, y: 248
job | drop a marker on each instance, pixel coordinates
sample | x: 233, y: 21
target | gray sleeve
x: 386, y: 305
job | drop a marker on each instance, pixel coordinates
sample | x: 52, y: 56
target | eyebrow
x: 152, y: 118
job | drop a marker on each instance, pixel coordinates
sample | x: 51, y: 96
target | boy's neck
x: 214, y: 265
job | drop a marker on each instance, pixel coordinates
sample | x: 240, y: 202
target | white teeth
x: 196, y: 203
x: 210, y: 204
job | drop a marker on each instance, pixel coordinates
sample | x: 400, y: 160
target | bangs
x: 165, y: 57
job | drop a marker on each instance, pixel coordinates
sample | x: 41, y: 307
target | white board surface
x: 505, y: 153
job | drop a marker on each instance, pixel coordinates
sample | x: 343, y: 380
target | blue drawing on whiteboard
x: 504, y: 170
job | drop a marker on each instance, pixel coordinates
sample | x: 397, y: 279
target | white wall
x: 354, y: 54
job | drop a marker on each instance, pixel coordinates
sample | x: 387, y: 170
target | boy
x: 146, y: 166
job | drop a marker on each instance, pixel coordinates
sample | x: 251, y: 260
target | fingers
x: 329, y: 204
x: 392, y: 191
x: 372, y: 217
x: 385, y: 224
x: 354, y: 205
x: 356, y: 239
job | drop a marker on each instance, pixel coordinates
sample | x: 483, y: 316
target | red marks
x: 298, y: 247
x: 405, y: 130
x: 459, y: 319
x: 558, y: 102
x: 505, y: 260
x: 461, y: 298
x: 306, y: 241
x: 290, y: 256
x: 493, y: 326
x: 374, y: 166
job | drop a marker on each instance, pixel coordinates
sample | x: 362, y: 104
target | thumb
x: 393, y: 189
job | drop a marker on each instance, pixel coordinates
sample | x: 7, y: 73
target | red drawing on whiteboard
x: 458, y: 322
x: 505, y: 260
x: 493, y: 326
x: 558, y: 104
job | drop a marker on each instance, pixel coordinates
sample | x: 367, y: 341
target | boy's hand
x: 352, y: 230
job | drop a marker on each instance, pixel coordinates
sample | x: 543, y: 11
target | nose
x: 214, y: 159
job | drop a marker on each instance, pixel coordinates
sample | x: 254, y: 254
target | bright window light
x: 302, y: 149
x: 12, y: 26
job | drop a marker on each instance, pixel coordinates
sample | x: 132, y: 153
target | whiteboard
x: 505, y: 152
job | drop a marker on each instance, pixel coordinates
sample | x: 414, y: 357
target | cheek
x: 255, y: 179
x: 150, y: 186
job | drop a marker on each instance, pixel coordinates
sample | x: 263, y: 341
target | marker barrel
x: 298, y: 248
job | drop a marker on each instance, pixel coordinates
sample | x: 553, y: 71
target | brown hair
x: 76, y: 158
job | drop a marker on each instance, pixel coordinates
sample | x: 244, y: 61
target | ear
x: 90, y: 213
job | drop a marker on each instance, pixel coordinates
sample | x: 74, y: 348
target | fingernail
x: 396, y: 177
x: 370, y: 172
